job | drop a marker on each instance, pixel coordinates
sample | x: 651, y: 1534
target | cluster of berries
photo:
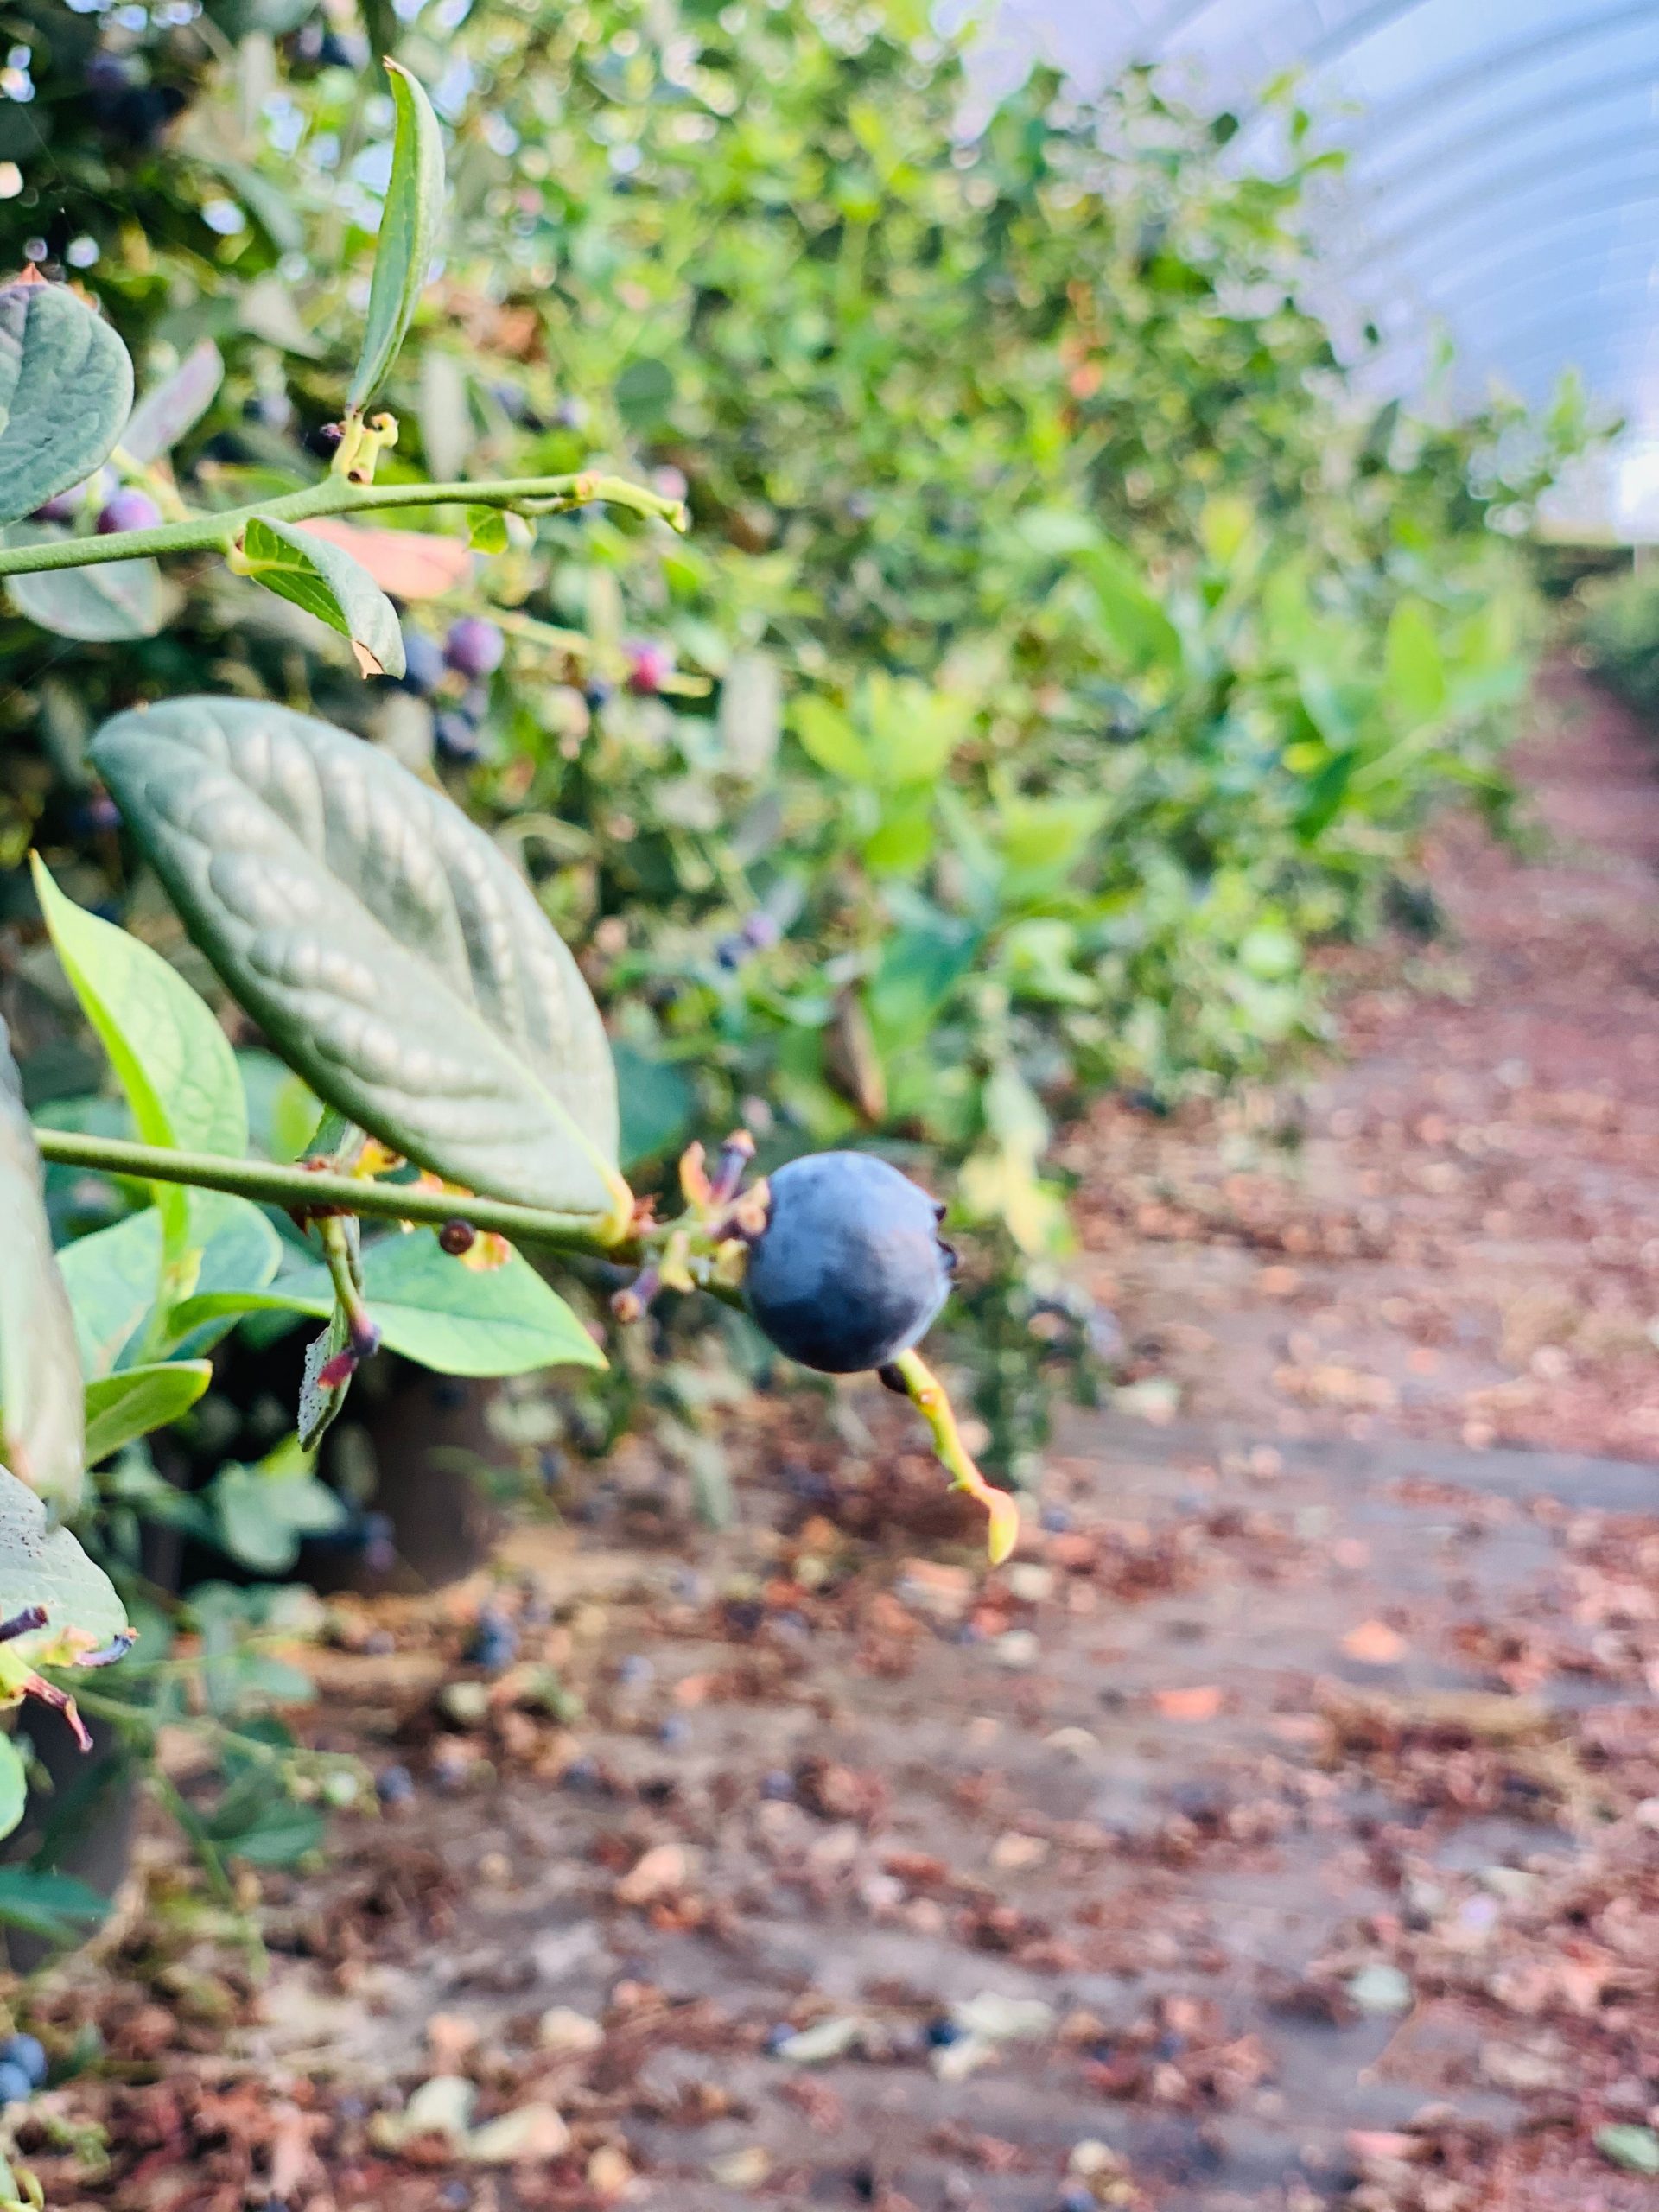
x: 22, y: 2068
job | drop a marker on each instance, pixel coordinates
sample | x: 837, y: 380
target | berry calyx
x: 849, y: 1270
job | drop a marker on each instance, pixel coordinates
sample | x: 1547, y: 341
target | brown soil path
x: 1280, y: 1830
x: 1455, y: 1232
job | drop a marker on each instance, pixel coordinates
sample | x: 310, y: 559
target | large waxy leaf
x: 459, y: 1320
x: 165, y: 413
x: 43, y: 1566
x: 40, y: 1372
x: 107, y: 603
x: 409, y: 233
x: 172, y: 1059
x: 122, y: 1408
x: 65, y: 387
x: 386, y: 946
x: 323, y: 578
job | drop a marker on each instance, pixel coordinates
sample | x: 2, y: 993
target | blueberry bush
x: 1619, y: 629
x: 436, y: 833
x: 455, y: 1078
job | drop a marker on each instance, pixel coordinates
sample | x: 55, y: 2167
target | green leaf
x: 41, y: 1435
x: 659, y: 1105
x: 486, y: 530
x: 388, y: 948
x: 1136, y: 626
x: 458, y: 1320
x: 65, y: 388
x: 172, y: 407
x: 1224, y: 525
x: 1636, y: 2149
x: 55, y: 1907
x: 644, y: 391
x: 409, y: 233
x: 173, y: 1061
x: 106, y: 604
x: 120, y: 1407
x: 257, y: 1821
x: 112, y: 1275
x: 1414, y: 665
x: 260, y: 1518
x: 829, y: 740
x: 325, y: 580
x: 14, y: 1785
x: 45, y: 1567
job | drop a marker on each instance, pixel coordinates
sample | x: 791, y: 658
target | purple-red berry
x: 457, y: 1236
x: 475, y: 646
x: 649, y: 666
x: 129, y: 509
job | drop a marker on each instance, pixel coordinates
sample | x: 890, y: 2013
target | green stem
x: 299, y: 1190
x: 335, y: 496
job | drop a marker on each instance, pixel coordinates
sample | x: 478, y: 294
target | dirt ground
x: 1279, y: 1829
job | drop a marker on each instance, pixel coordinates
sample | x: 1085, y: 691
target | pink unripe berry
x: 650, y: 665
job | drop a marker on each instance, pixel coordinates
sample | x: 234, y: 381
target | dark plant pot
x: 426, y: 1441
x: 84, y: 1826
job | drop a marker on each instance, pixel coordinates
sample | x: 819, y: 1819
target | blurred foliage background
x: 1060, y: 654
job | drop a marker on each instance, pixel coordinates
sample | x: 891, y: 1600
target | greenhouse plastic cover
x: 1502, y: 187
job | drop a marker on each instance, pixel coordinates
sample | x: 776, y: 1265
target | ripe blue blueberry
x: 15, y: 2084
x: 495, y: 1644
x: 423, y: 663
x: 129, y: 509
x: 29, y: 2054
x: 61, y: 507
x: 849, y: 1270
x: 475, y: 646
x: 456, y: 738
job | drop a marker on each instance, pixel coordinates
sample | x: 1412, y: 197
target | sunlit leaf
x: 459, y: 1320
x: 409, y: 233
x: 123, y: 1407
x: 171, y: 1058
x: 40, y: 1438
